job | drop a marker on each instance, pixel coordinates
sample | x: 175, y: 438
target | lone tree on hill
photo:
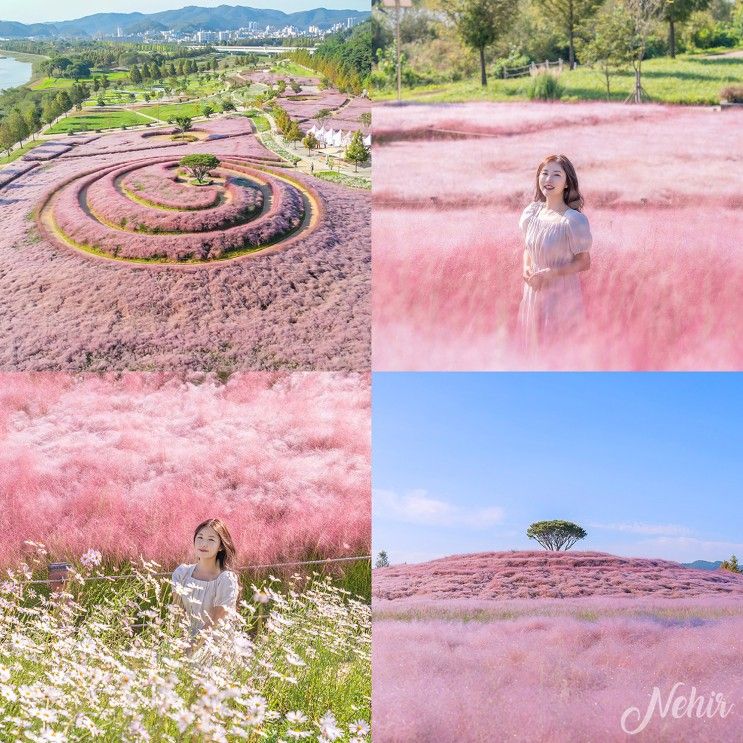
x: 199, y: 165
x: 480, y: 23
x: 731, y: 565
x: 556, y: 535
x: 382, y: 560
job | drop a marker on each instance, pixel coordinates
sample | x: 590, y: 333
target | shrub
x: 732, y: 93
x: 545, y: 87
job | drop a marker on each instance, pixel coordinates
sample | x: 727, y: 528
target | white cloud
x: 417, y: 507
x: 668, y: 530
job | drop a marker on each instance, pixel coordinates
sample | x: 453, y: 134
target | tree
x: 199, y: 165
x: 322, y: 116
x: 480, y: 23
x: 227, y: 105
x: 641, y: 15
x: 357, y: 152
x: 679, y: 11
x: 135, y: 75
x: 605, y: 42
x: 556, y: 535
x: 731, y: 565
x: 105, y: 82
x: 293, y: 133
x: 32, y: 117
x: 366, y: 118
x: 17, y: 126
x: 207, y: 110
x: 296, y: 87
x: 78, y: 70
x: 570, y: 14
x: 382, y: 560
x: 310, y: 142
x: 184, y: 123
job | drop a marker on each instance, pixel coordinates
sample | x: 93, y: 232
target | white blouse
x: 196, y: 597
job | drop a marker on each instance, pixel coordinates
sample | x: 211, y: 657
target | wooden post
x: 58, y: 576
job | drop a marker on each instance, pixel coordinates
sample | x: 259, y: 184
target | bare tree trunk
x: 672, y: 38
x: 571, y: 36
x: 483, y: 77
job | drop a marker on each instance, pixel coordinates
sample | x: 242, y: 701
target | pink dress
x: 552, y: 241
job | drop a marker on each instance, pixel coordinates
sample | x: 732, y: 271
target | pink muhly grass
x: 112, y: 206
x: 82, y: 226
x: 544, y: 574
x: 306, y: 306
x: 129, y: 465
x: 665, y: 284
x: 535, y: 680
x: 159, y: 184
x: 15, y: 170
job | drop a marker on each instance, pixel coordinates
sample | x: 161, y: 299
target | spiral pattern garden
x: 148, y: 210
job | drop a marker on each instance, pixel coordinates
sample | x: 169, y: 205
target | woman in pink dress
x: 557, y: 237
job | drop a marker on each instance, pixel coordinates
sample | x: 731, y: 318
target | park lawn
x: 5, y: 159
x: 260, y: 121
x: 168, y: 111
x: 687, y: 79
x: 288, y: 67
x: 62, y: 83
x: 344, y: 179
x: 86, y: 122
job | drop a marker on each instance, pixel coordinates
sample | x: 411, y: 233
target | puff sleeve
x: 528, y: 214
x: 227, y: 590
x: 579, y: 232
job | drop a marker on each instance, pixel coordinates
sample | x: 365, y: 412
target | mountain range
x: 186, y: 20
x: 703, y: 564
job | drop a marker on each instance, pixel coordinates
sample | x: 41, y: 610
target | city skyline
x: 24, y: 12
x: 647, y: 464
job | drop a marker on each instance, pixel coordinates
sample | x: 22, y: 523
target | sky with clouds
x: 649, y: 464
x: 24, y: 11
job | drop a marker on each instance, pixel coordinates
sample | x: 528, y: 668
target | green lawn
x: 687, y: 79
x: 57, y: 83
x: 87, y: 122
x: 5, y: 159
x: 173, y: 110
x: 260, y: 121
x: 344, y: 179
x: 293, y: 69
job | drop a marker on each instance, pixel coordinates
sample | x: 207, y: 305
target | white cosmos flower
x: 296, y: 717
x: 359, y: 727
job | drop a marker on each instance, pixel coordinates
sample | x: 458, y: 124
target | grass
x: 344, y: 179
x: 293, y: 69
x: 20, y: 151
x: 174, y: 110
x: 62, y: 83
x: 86, y: 122
x: 260, y: 121
x: 269, y: 141
x: 688, y: 80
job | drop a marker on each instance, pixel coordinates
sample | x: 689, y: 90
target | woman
x: 207, y: 591
x: 558, y: 238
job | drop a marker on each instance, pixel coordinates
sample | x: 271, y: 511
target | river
x: 13, y: 72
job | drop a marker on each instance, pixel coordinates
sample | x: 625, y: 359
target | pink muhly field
x: 547, y: 669
x: 302, y: 302
x: 129, y: 465
x: 664, y: 287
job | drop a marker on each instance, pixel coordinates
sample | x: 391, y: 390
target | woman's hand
x: 539, y: 279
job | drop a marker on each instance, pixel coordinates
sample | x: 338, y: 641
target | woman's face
x: 207, y: 544
x: 552, y: 180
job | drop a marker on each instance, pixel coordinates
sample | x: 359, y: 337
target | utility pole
x: 397, y: 4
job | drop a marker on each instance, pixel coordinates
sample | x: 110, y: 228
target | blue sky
x: 649, y: 464
x: 39, y: 12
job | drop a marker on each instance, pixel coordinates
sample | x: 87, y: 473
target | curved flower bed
x: 90, y: 213
x: 112, y: 207
x: 159, y: 186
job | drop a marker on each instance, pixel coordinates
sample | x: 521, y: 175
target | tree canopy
x: 556, y: 535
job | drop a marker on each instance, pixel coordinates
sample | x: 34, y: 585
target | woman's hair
x: 226, y: 554
x: 571, y: 194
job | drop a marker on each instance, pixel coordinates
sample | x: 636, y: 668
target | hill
x: 703, y: 564
x: 221, y: 18
x: 532, y: 574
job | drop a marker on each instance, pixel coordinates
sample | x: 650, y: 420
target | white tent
x: 338, y: 138
x: 367, y: 140
x: 347, y: 139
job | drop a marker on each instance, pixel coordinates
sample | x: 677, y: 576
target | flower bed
x: 88, y: 213
x: 158, y: 185
x: 48, y: 151
x: 112, y: 207
x: 15, y: 170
